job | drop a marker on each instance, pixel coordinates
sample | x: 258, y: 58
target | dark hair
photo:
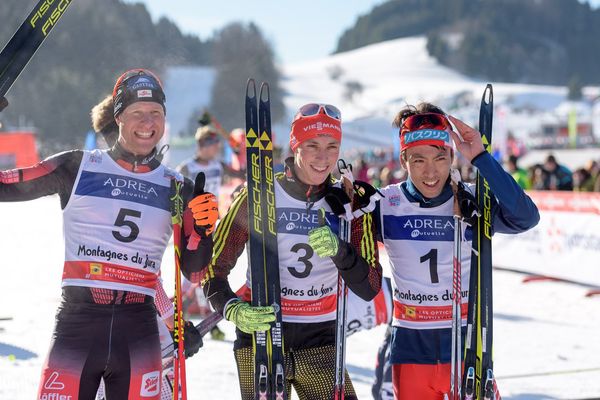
x: 409, y: 110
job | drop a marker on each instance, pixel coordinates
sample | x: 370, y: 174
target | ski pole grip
x: 198, y: 190
x: 199, y: 184
x: 322, y: 220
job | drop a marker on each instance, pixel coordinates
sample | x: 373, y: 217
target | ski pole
x: 179, y: 377
x: 342, y: 296
x: 456, y: 354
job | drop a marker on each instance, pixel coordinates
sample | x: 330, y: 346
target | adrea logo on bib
x: 122, y: 185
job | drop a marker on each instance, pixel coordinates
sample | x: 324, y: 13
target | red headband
x: 309, y: 127
x: 425, y: 129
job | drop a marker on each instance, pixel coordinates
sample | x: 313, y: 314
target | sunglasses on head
x: 427, y: 120
x: 311, y: 109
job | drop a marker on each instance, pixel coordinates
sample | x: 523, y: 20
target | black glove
x: 192, y: 340
x: 3, y: 103
x: 339, y: 202
x: 367, y: 196
x: 467, y: 204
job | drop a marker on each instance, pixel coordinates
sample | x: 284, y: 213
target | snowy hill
x: 399, y: 72
x: 391, y: 73
x: 372, y: 83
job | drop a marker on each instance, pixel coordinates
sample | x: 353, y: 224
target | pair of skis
x: 478, y: 373
x: 263, y: 258
x: 27, y: 39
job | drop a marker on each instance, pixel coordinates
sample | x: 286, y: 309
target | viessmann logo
x: 319, y: 126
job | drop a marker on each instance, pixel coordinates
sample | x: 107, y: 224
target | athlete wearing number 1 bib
x: 416, y: 227
x: 117, y: 223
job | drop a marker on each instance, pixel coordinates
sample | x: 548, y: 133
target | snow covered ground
x: 547, y: 342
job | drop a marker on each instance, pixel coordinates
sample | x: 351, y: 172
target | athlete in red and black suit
x: 117, y: 224
x: 308, y: 277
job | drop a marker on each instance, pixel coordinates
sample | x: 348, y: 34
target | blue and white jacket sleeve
x: 513, y: 210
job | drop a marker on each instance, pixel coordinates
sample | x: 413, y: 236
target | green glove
x: 249, y: 319
x: 323, y: 241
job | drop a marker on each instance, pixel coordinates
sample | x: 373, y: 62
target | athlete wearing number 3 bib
x: 416, y: 227
x: 308, y: 275
x: 117, y: 223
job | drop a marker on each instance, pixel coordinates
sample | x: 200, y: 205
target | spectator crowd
x: 381, y: 167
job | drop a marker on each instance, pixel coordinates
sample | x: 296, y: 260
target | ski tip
x: 251, y: 88
x: 265, y: 92
x: 488, y: 94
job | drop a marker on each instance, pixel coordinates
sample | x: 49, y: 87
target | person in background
x: 558, y: 177
x: 361, y: 170
x: 537, y: 175
x: 237, y: 143
x: 582, y: 180
x: 593, y: 169
x: 518, y: 173
x: 207, y: 160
